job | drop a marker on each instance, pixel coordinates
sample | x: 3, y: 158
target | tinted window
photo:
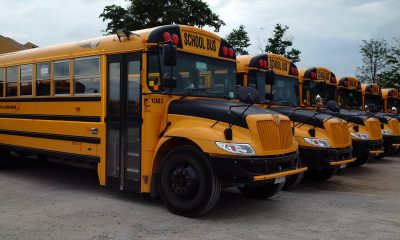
x: 87, y: 76
x: 43, y: 71
x: 61, y: 78
x: 11, y: 81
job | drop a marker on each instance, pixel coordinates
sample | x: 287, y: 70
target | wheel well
x: 168, y: 146
x: 161, y: 153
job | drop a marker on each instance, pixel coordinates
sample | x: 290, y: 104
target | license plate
x: 343, y: 165
x: 280, y: 179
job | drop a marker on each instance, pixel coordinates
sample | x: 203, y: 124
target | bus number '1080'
x: 196, y: 41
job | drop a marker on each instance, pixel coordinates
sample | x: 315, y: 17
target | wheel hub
x: 184, y: 181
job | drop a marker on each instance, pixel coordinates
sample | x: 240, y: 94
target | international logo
x: 276, y: 119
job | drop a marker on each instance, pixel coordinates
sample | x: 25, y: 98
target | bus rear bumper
x: 237, y: 171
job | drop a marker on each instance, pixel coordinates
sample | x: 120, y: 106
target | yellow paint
x: 336, y: 163
x: 281, y: 174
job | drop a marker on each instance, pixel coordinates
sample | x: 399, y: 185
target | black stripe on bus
x: 52, y: 99
x: 86, y: 158
x: 53, y: 117
x: 51, y: 136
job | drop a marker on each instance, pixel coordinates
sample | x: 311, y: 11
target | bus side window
x: 12, y: 81
x: 1, y: 81
x: 61, y: 78
x: 43, y: 79
x: 26, y: 80
x: 87, y: 75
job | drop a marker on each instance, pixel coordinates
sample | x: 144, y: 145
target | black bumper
x: 388, y: 141
x: 362, y: 148
x: 319, y: 158
x: 232, y: 171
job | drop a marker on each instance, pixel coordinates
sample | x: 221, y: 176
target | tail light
x: 231, y: 52
x: 166, y: 36
x: 175, y: 39
x: 333, y: 80
x: 224, y: 51
x: 313, y: 75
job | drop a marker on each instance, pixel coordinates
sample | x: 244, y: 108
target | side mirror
x: 332, y: 106
x: 318, y: 100
x: 270, y: 77
x: 169, y: 55
x: 247, y: 95
x: 170, y: 82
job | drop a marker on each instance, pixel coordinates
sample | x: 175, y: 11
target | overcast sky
x: 328, y: 32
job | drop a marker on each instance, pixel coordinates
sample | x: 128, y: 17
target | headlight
x: 363, y: 136
x: 237, y: 148
x: 386, y: 132
x: 317, y: 142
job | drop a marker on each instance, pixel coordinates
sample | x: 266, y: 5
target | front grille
x: 275, y: 136
x: 340, y: 133
x: 395, y: 127
x: 375, y: 129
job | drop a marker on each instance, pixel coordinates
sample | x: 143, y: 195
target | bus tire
x: 262, y: 191
x: 359, y: 161
x: 293, y: 181
x: 5, y: 159
x: 322, y: 174
x: 187, y: 183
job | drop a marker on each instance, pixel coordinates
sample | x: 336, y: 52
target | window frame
x: 26, y: 81
x: 2, y: 80
x: 54, y: 78
x: 42, y: 79
x: 16, y: 82
x: 74, y: 77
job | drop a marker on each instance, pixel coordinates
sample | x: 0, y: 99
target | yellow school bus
x: 365, y: 131
x: 390, y: 100
x: 151, y: 111
x: 324, y: 140
x: 390, y: 126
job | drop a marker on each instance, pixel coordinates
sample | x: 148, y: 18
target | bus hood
x: 355, y: 116
x: 304, y: 116
x: 216, y: 109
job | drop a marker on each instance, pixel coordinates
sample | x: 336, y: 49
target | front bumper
x: 365, y: 148
x: 320, y: 158
x: 391, y: 141
x: 233, y: 171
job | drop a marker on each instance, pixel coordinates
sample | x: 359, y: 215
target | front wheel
x: 262, y: 191
x: 187, y: 184
x: 293, y: 180
x: 322, y: 174
x: 359, y: 161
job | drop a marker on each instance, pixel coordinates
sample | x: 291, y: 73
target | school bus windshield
x: 285, y: 91
x: 392, y: 102
x: 350, y: 99
x: 196, y: 75
x: 326, y: 91
x: 369, y: 98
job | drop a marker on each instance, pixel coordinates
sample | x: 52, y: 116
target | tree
x: 151, y: 13
x: 239, y: 40
x: 374, y: 57
x: 389, y: 78
x: 278, y: 44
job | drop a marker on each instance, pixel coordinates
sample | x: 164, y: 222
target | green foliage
x: 142, y: 14
x: 390, y: 77
x: 374, y: 57
x: 239, y: 40
x: 278, y: 44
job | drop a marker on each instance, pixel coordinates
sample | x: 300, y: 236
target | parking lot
x: 49, y: 201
